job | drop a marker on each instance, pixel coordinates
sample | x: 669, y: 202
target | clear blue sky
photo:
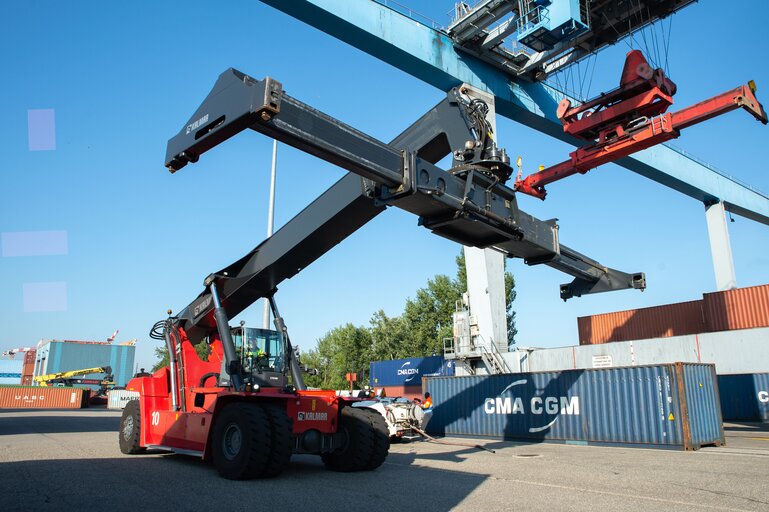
x: 131, y: 240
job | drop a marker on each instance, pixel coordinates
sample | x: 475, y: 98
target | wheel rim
x: 128, y: 428
x: 232, y: 441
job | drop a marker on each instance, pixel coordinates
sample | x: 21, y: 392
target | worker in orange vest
x: 428, y: 403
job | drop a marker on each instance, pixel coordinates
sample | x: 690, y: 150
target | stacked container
x: 742, y: 308
x: 43, y: 398
x: 403, y: 377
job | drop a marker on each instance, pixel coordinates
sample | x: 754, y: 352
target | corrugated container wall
x: 410, y: 392
x: 408, y: 372
x: 28, y: 370
x: 43, y: 398
x: 745, y: 397
x: 59, y: 356
x: 656, y: 322
x: 670, y: 406
x: 743, y: 308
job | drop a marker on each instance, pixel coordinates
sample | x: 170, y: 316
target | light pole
x: 270, y: 223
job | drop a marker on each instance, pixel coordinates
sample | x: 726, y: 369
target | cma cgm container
x: 408, y: 372
x: 60, y: 356
x: 667, y: 406
x: 745, y: 397
x: 43, y: 398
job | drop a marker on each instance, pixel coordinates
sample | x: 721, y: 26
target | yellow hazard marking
x: 760, y: 438
x: 671, y: 418
x: 313, y: 405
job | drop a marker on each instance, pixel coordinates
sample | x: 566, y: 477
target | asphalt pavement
x: 69, y: 460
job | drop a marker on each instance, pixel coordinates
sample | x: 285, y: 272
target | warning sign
x: 671, y: 418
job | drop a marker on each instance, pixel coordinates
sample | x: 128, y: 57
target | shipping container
x: 636, y: 324
x: 43, y: 398
x: 666, y: 406
x: 408, y: 372
x: 28, y: 370
x: 55, y: 356
x: 733, y: 352
x: 743, y: 308
x: 744, y: 397
x: 410, y: 392
x: 118, y: 398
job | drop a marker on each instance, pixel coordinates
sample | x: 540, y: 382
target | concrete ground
x: 67, y: 460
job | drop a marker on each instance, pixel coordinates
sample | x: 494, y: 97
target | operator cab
x: 261, y: 355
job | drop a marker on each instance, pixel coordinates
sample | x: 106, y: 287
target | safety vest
x: 428, y: 403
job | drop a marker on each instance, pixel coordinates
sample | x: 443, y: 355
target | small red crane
x: 631, y: 118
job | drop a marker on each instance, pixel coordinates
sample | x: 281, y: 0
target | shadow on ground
x: 153, y: 482
x: 46, y: 424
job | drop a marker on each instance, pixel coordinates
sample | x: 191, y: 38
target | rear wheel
x: 130, y: 429
x: 381, y: 437
x: 242, y: 439
x: 280, y: 451
x: 356, y: 453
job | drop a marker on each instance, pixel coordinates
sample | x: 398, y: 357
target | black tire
x: 129, y: 436
x: 355, y: 453
x: 381, y: 439
x: 280, y: 451
x: 241, y: 439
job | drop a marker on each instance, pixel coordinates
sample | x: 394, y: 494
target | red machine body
x: 631, y: 118
x: 188, y: 430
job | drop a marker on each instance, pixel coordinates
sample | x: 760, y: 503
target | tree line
x: 417, y: 332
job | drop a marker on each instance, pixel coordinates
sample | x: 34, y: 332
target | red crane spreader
x: 631, y: 118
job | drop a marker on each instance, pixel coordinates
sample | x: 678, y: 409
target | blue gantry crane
x: 507, y: 47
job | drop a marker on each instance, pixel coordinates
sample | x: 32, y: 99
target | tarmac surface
x: 68, y: 460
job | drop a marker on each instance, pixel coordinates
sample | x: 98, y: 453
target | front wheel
x: 242, y: 441
x: 130, y: 429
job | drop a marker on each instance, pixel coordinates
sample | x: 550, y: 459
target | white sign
x: 602, y: 362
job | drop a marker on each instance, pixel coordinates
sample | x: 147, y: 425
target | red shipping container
x: 43, y: 398
x: 742, y: 308
x: 28, y: 370
x: 410, y: 392
x: 637, y: 324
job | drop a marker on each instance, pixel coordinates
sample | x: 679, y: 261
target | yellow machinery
x: 71, y: 377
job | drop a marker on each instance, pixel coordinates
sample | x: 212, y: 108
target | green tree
x: 389, y: 337
x: 510, y: 295
x: 342, y: 350
x: 428, y: 316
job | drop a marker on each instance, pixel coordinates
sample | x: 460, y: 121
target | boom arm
x: 468, y: 204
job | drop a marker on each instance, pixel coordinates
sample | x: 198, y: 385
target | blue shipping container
x: 671, y: 406
x: 409, y: 372
x: 745, y: 397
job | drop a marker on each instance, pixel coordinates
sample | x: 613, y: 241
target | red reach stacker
x: 243, y: 414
